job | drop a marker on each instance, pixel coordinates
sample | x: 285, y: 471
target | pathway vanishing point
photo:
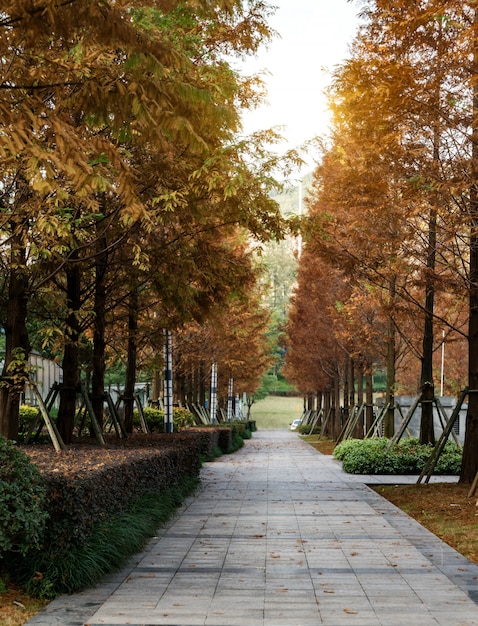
x: 279, y: 535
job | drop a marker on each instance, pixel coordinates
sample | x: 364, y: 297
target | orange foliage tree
x: 394, y: 203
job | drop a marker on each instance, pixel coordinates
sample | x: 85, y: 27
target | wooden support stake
x: 474, y: 485
x: 444, y: 419
x: 117, y: 423
x: 326, y: 421
x: 142, y: 419
x: 315, y: 419
x: 52, y: 430
x: 377, y: 421
x: 91, y: 413
x: 440, y: 445
x: 351, y: 423
x: 404, y: 424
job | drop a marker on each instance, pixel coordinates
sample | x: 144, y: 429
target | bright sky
x: 314, y: 37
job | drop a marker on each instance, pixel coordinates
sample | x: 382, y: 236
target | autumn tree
x: 315, y: 358
x: 235, y: 338
x: 441, y: 101
x: 355, y: 218
x: 84, y: 107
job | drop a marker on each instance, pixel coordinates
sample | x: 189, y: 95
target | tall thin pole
x: 230, y: 391
x: 442, y: 376
x: 213, y: 392
x: 168, y: 382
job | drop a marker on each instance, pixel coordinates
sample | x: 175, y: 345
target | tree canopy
x: 126, y: 186
x: 393, y: 206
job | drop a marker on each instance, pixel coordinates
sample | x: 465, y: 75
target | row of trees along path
x: 129, y: 196
x: 391, y: 257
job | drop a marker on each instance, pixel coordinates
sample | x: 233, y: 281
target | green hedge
x: 370, y: 456
x: 79, y: 503
x: 79, y: 499
x: 23, y: 496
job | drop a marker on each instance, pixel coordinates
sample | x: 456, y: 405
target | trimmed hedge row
x: 79, y: 501
x: 78, y: 492
x: 76, y: 502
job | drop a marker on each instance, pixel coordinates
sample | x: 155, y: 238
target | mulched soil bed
x: 86, y: 454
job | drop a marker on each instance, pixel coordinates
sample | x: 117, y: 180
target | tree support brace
x: 49, y: 423
x: 440, y: 445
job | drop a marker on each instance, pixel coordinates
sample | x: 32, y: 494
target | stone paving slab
x: 279, y: 535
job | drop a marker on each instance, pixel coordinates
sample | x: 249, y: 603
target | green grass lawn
x: 276, y: 411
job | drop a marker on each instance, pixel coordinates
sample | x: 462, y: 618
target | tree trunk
x: 99, y: 343
x: 469, y: 467
x: 327, y: 411
x: 346, y: 412
x: 202, y: 385
x: 70, y: 365
x: 131, y: 363
x: 389, y: 422
x: 369, y: 417
x: 17, y: 346
x: 181, y: 385
x: 357, y: 373
x: 360, y: 385
x: 155, y: 393
x: 333, y: 415
x: 427, y: 431
x: 351, y: 383
x: 470, y: 449
x: 337, y: 413
x: 319, y: 399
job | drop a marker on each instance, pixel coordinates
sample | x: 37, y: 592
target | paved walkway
x: 278, y: 535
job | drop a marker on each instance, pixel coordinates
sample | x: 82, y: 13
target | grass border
x: 48, y: 574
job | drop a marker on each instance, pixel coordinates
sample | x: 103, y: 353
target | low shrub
x: 242, y: 429
x: 450, y: 459
x: 370, y: 456
x: 225, y: 438
x: 27, y: 416
x: 103, y: 506
x: 23, y: 512
x: 182, y: 418
x: 209, y: 442
x: 365, y: 456
x: 236, y: 443
x: 251, y: 425
x: 305, y: 429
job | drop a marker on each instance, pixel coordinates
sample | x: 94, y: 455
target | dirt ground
x: 443, y: 508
